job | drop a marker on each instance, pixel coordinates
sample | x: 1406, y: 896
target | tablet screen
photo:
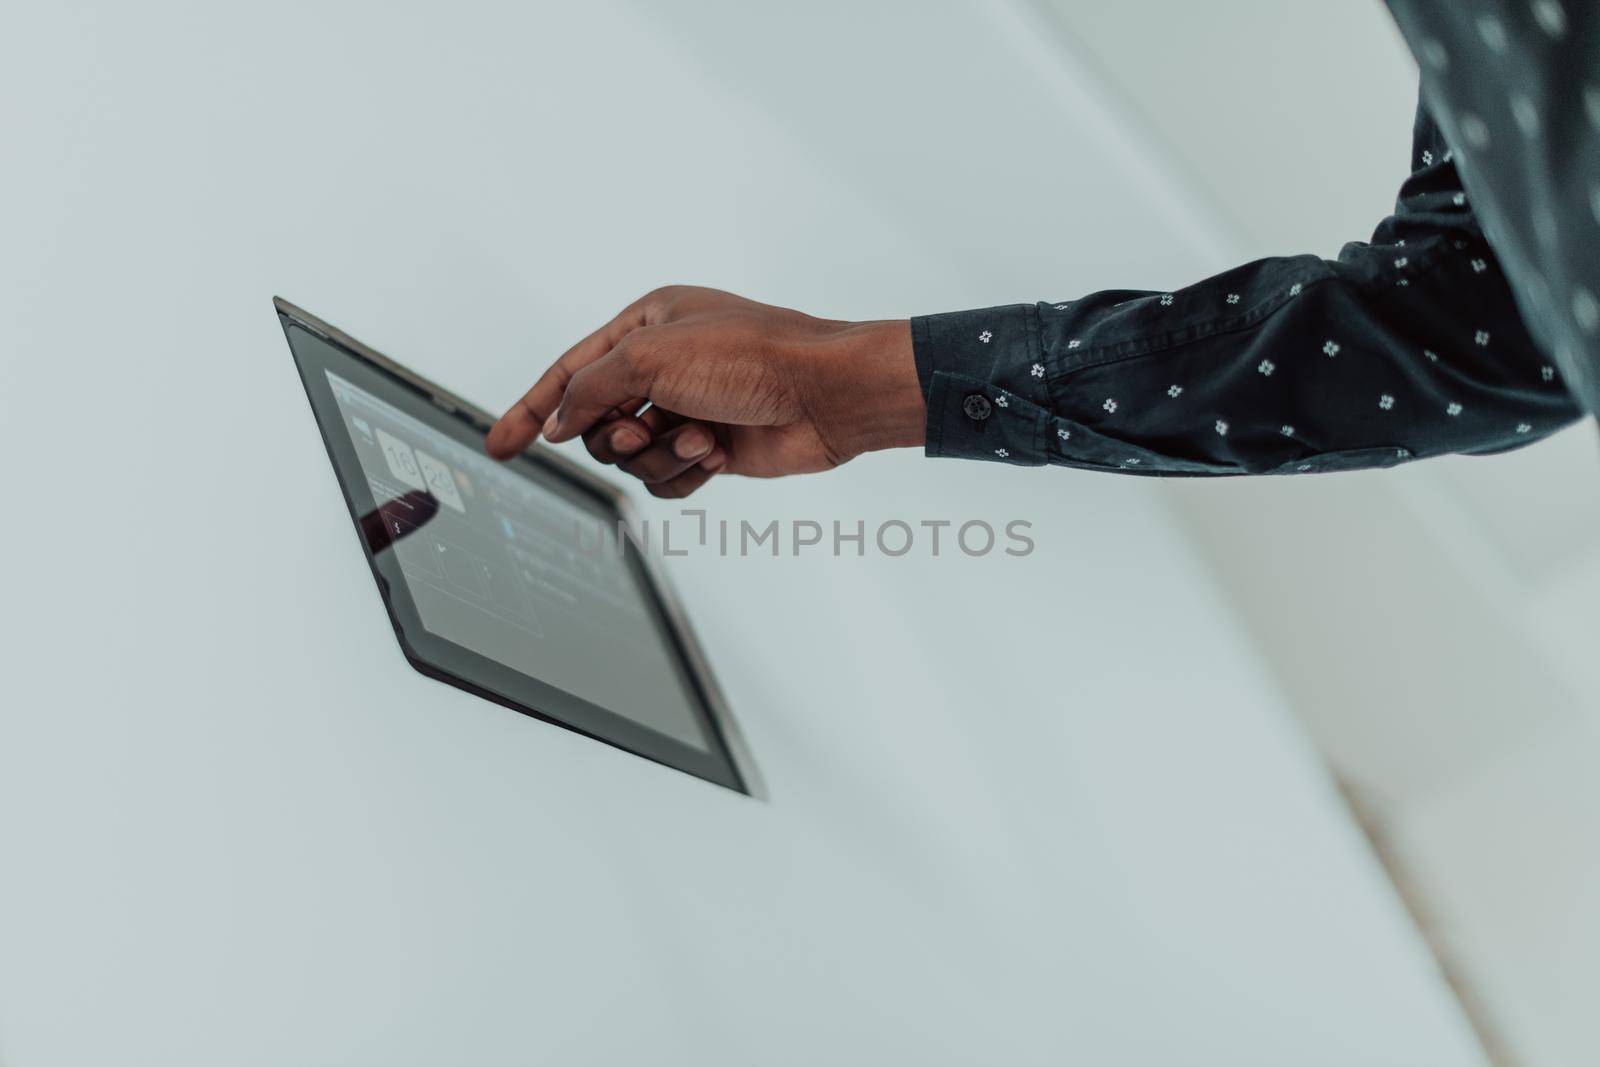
x: 510, y: 569
x: 509, y: 577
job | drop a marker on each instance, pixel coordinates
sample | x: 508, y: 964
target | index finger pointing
x: 520, y: 425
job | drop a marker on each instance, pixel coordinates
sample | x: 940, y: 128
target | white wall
x: 1023, y: 811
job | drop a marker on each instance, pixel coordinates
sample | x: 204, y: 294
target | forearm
x: 1407, y: 346
x: 1284, y: 366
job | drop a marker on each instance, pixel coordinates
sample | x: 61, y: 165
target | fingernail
x: 692, y: 444
x: 549, y: 425
x: 626, y: 440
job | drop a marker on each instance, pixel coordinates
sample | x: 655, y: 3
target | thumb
x: 594, y: 391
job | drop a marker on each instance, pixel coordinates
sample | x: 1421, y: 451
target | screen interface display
x: 507, y: 561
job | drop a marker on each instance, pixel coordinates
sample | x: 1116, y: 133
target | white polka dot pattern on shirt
x: 1221, y: 428
x: 1073, y: 343
x: 1479, y: 266
x: 1001, y: 402
x: 1233, y: 298
x: 1002, y: 453
x: 1174, y: 391
x: 1548, y: 373
x: 1296, y: 289
x: 1523, y: 427
x: 1166, y: 300
x: 1481, y: 338
x: 1037, y: 370
x: 1064, y: 433
x: 985, y: 336
x: 1286, y: 430
x: 1110, y: 404
x: 1453, y: 409
x: 1330, y: 349
x: 1266, y: 367
x: 1386, y: 402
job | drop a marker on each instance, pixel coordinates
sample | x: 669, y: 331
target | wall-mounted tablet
x: 508, y: 579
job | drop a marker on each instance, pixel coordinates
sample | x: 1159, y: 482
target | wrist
x: 870, y: 397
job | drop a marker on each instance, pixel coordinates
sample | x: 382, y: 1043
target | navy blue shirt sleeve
x: 1407, y: 346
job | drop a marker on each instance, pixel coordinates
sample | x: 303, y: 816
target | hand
x: 731, y: 385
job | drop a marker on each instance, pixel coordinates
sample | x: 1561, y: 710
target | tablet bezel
x: 726, y: 762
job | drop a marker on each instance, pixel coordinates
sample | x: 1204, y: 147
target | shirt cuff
x: 983, y: 375
x: 971, y: 419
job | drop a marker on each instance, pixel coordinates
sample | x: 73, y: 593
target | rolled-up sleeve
x: 1406, y: 346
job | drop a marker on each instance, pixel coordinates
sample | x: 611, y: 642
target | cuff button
x: 977, y: 407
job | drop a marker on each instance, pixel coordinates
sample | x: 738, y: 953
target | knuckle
x: 575, y: 387
x: 659, y: 303
x: 627, y: 350
x: 635, y: 356
x: 586, y: 388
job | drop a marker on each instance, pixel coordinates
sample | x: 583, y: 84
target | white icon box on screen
x: 441, y: 483
x: 402, y: 462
